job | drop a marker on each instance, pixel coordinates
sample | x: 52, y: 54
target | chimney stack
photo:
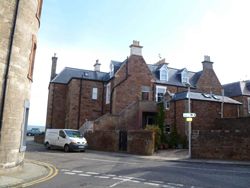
x: 207, y: 64
x: 135, y: 48
x: 97, y: 66
x: 53, y: 67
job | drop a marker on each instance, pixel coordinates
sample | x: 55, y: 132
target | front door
x: 123, y: 140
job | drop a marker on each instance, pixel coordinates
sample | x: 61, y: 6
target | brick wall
x: 208, y: 82
x: 140, y: 142
x: 244, y: 108
x: 103, y: 140
x: 130, y: 91
x: 206, y: 113
x: 228, y: 139
x: 56, y: 106
x: 64, y: 102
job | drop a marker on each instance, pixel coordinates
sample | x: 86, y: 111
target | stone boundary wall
x: 39, y: 139
x: 228, y: 139
x: 140, y: 142
x: 103, y: 140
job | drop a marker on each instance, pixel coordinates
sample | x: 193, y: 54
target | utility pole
x: 189, y: 124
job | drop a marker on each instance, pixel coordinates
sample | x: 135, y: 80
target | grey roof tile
x: 237, y: 89
x: 204, y: 97
x: 68, y: 73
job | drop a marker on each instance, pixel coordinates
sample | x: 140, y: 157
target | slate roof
x: 204, y: 97
x: 174, y: 76
x: 68, y: 73
x: 237, y: 89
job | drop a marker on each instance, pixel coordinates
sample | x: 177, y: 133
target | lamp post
x: 189, y: 124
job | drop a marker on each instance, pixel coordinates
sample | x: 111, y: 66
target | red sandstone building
x: 126, y: 97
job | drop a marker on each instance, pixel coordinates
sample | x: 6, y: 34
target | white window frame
x: 164, y: 73
x: 184, y: 76
x: 108, y: 89
x: 157, y: 91
x: 248, y: 104
x: 112, y: 69
x: 94, y: 93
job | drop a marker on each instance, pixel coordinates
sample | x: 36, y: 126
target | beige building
x: 19, y: 24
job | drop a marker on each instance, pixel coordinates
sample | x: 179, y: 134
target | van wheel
x: 66, y: 148
x: 47, y: 145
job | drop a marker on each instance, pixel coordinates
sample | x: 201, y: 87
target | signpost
x: 189, y: 115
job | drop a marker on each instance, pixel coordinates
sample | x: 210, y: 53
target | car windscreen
x: 73, y: 134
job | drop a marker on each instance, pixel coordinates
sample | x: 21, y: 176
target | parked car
x: 33, y: 132
x: 67, y: 139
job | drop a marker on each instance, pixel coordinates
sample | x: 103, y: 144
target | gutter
x: 6, y: 72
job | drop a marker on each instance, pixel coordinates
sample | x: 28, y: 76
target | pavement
x: 34, y: 172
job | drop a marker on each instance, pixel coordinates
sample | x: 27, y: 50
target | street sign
x: 189, y: 115
x: 189, y: 119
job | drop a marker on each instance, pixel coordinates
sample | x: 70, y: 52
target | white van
x: 68, y: 139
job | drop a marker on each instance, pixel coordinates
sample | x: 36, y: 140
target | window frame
x: 184, y: 76
x: 164, y: 77
x: 156, y: 91
x: 108, y: 92
x: 145, y: 91
x: 94, y: 93
x: 32, y: 58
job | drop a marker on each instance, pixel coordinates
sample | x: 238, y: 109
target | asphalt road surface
x: 94, y: 169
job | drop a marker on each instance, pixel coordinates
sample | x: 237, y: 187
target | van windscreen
x: 73, y: 134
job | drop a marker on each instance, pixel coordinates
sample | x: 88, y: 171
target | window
x: 145, y: 93
x: 94, y: 93
x: 184, y: 76
x: 160, y: 92
x: 24, y: 126
x: 112, y: 69
x: 164, y: 73
x: 62, y: 134
x: 32, y: 58
x: 167, y: 105
x: 167, y: 129
x: 108, y: 93
x: 248, y: 102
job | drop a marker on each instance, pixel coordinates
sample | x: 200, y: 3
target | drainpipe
x: 112, y: 91
x: 103, y: 89
x: 79, y: 103
x: 222, y: 104
x: 6, y: 73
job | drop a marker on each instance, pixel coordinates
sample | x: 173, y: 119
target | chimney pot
x: 53, y: 67
x: 97, y: 66
x: 207, y: 63
x: 135, y: 48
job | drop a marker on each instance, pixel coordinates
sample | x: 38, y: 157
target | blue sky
x: 182, y: 31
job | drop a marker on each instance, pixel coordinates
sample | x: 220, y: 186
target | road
x: 94, y: 169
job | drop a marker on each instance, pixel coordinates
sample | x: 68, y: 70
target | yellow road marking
x: 53, y: 171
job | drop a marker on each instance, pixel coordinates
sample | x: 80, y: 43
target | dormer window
x: 184, y: 76
x: 112, y: 69
x: 164, y: 73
